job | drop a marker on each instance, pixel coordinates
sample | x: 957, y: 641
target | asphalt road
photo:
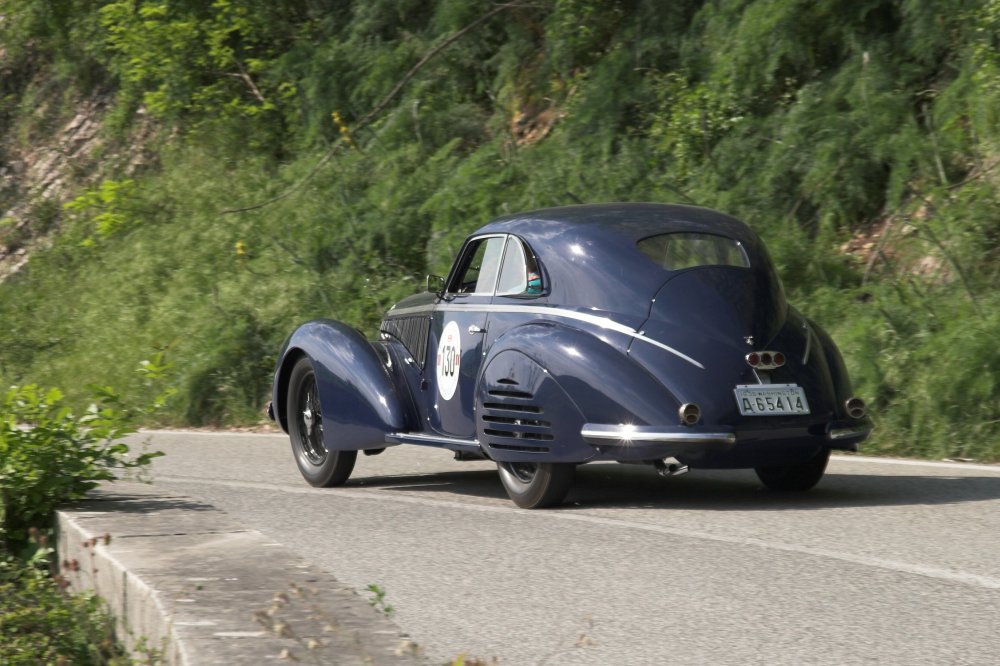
x: 885, y: 562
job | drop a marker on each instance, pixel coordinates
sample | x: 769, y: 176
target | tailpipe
x: 670, y: 467
x: 689, y: 413
x: 856, y: 408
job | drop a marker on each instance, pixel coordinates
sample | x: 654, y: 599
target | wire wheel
x: 798, y: 477
x: 310, y: 421
x: 536, y: 485
x: 317, y: 465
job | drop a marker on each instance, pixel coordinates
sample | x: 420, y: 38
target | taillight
x: 765, y: 360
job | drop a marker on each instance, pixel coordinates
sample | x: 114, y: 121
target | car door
x: 458, y: 328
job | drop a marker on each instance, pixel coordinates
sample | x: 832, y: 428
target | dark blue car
x: 640, y: 333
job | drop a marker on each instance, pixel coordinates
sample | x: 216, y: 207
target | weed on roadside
x: 297, y: 614
x: 41, y: 624
x: 377, y: 600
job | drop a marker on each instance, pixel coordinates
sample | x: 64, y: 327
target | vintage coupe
x: 638, y: 333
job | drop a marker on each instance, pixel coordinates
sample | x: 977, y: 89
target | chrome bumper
x: 598, y: 433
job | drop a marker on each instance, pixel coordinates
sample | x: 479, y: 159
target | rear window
x: 685, y: 250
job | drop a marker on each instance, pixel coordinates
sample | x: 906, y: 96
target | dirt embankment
x: 47, y: 159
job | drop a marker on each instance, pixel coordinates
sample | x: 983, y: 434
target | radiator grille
x: 412, y: 332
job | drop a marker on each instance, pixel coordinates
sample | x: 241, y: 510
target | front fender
x: 360, y: 400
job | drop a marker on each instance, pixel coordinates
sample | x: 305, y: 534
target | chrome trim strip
x: 640, y: 336
x: 809, y: 337
x: 542, y: 310
x: 430, y: 439
x: 851, y: 431
x: 416, y: 309
x: 627, y: 434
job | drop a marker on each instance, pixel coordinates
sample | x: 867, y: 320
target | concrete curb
x: 186, y: 581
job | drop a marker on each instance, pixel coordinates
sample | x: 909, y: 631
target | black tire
x: 321, y: 468
x: 536, y: 485
x: 795, y: 478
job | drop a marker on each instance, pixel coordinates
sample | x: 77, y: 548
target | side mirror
x: 435, y: 284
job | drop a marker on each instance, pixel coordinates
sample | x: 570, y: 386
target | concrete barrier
x: 189, y: 585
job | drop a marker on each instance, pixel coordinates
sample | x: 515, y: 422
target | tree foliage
x: 860, y: 139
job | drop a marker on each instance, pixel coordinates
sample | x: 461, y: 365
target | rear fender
x: 359, y: 397
x: 542, y: 381
x: 522, y: 414
x: 839, y: 378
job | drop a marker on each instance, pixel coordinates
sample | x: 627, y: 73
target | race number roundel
x: 449, y: 358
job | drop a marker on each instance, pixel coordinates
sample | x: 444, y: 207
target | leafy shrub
x: 40, y: 624
x: 49, y: 455
x: 928, y: 369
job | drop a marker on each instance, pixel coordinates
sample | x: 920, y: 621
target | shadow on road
x: 474, y: 483
x: 627, y: 486
x: 604, y: 485
x: 109, y: 500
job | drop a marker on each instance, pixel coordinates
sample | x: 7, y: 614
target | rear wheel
x: 536, y: 485
x: 795, y: 478
x: 318, y: 466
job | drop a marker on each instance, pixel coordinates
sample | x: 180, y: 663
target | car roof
x: 628, y: 222
x: 589, y: 252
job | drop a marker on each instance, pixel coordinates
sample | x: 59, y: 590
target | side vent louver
x: 501, y: 393
x: 511, y: 420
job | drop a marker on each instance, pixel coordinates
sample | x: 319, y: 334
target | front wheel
x: 318, y: 466
x: 536, y: 485
x: 795, y: 478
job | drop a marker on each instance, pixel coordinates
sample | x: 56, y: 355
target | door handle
x: 473, y: 329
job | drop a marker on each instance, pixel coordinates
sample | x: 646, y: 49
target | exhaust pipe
x: 689, y: 413
x: 670, y: 467
x: 855, y: 408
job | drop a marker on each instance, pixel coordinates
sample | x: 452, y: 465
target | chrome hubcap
x: 307, y: 417
x: 311, y: 423
x: 523, y: 471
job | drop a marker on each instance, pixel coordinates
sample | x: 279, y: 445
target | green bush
x: 50, y: 455
x: 40, y: 624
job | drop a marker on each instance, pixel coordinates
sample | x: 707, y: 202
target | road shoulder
x: 187, y: 581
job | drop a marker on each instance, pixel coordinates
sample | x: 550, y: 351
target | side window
x: 513, y: 273
x: 480, y: 264
x: 518, y: 273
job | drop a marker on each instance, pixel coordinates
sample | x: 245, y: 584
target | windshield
x: 686, y: 250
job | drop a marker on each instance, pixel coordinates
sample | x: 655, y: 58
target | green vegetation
x: 860, y: 140
x: 377, y: 599
x: 49, y: 456
x: 42, y: 625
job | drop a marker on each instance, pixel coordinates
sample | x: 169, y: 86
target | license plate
x: 771, y: 399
